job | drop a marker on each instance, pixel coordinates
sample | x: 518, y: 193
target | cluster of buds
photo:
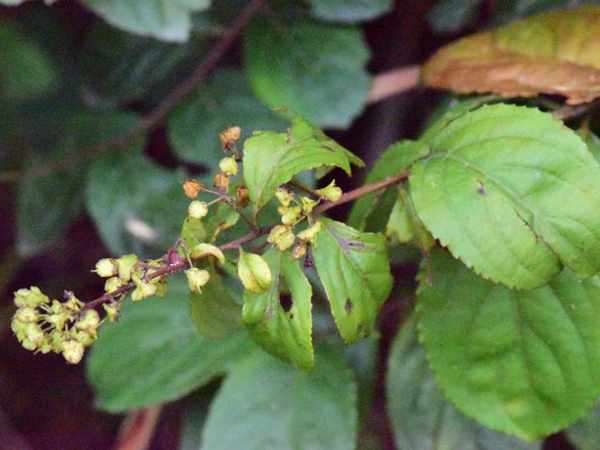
x: 292, y: 212
x: 119, y: 272
x: 44, y: 325
x: 229, y: 164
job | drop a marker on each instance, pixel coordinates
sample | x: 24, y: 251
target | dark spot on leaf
x: 286, y: 301
x: 481, y: 191
x: 360, y: 329
x: 348, y: 306
x: 308, y: 262
x: 291, y: 316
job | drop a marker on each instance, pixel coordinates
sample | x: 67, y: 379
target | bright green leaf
x: 267, y: 404
x: 226, y: 101
x: 421, y: 417
x: 284, y: 332
x: 586, y: 432
x: 271, y: 158
x: 168, y: 20
x: 155, y: 354
x: 374, y: 207
x: 214, y: 311
x: 523, y: 362
x: 355, y: 272
x: 254, y: 272
x: 513, y: 193
x: 193, y: 232
x: 313, y: 69
x: 125, y: 196
x: 350, y: 10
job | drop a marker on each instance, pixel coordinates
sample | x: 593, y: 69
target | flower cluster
x: 293, y: 212
x: 44, y: 325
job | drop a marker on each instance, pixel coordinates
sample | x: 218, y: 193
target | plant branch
x: 254, y: 234
x: 157, y: 114
x: 568, y: 112
x: 362, y: 191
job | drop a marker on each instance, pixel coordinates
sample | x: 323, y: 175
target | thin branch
x: 568, y: 112
x: 362, y: 191
x: 254, y: 234
x: 158, y: 113
x: 137, y: 429
x: 302, y: 188
x: 394, y: 82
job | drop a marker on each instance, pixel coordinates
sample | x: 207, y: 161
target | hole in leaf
x: 286, y: 301
x: 348, y: 306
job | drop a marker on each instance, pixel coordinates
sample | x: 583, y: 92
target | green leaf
x: 214, y: 311
x: 168, y: 20
x: 193, y: 232
x: 513, y: 193
x: 404, y: 224
x: 373, y: 207
x: 20, y: 58
x: 523, y: 362
x: 119, y: 67
x: 354, y: 269
x: 125, y: 196
x: 47, y: 205
x: 350, y: 10
x: 266, y: 404
x: 585, y: 433
x: 226, y: 101
x: 284, y: 332
x: 420, y: 415
x: 271, y: 159
x: 313, y: 69
x: 155, y: 354
x: 449, y: 16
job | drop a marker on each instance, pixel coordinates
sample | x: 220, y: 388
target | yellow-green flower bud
x: 90, y: 321
x: 229, y: 166
x: 125, y: 266
x: 203, y: 249
x: 254, y: 272
x: 83, y: 336
x: 284, y: 196
x: 72, y: 351
x: 310, y: 234
x: 26, y: 314
x: 282, y: 236
x: 112, y: 311
x: 143, y: 289
x: 34, y: 335
x: 308, y: 204
x: 330, y: 192
x: 112, y: 284
x: 290, y: 216
x: 106, y: 268
x: 18, y: 328
x: 46, y: 345
x: 197, y: 209
x: 30, y: 297
x: 299, y: 250
x: 197, y: 278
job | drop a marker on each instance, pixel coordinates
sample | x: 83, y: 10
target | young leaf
x: 349, y: 11
x: 271, y: 159
x: 265, y: 403
x: 254, y: 272
x: 354, y: 269
x: 227, y: 100
x: 214, y: 311
x: 523, y: 362
x: 168, y: 20
x: 404, y: 224
x: 155, y: 354
x: 373, y: 207
x: 420, y: 415
x: 545, y: 54
x: 285, y: 332
x: 313, y: 69
x: 585, y: 433
x: 513, y: 193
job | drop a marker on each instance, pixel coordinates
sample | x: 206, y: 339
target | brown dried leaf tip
x: 552, y: 53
